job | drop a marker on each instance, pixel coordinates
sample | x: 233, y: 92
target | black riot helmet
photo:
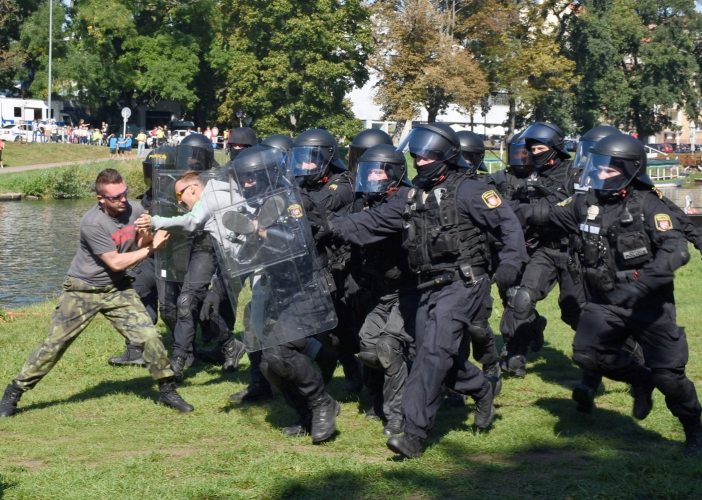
x: 314, y: 152
x: 588, y: 140
x: 439, y: 147
x: 195, y: 152
x: 381, y: 169
x: 613, y: 163
x: 244, y: 137
x: 280, y: 141
x: 520, y: 161
x: 472, y: 150
x: 162, y: 157
x: 364, y: 141
x: 547, y: 134
x: 257, y: 170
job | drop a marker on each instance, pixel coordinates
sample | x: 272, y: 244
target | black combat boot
x: 302, y: 427
x: 585, y: 397
x: 643, y: 400
x: 484, y: 407
x: 170, y: 397
x: 130, y: 357
x: 537, y: 338
x: 233, y: 351
x: 454, y: 399
x: 213, y: 356
x: 409, y: 446
x: 352, y: 373
x: 178, y: 365
x: 693, y: 439
x: 253, y: 392
x: 9, y: 401
x: 395, y: 427
x: 326, y: 360
x: 493, y: 373
x: 514, y: 364
x: 324, y: 412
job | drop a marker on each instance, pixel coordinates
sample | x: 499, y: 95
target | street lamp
x: 51, y: 27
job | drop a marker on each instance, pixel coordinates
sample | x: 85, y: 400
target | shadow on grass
x: 556, y: 368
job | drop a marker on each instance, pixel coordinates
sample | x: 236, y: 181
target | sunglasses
x: 118, y: 197
x: 179, y: 194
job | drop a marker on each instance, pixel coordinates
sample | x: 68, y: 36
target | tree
x: 290, y: 63
x: 637, y: 59
x: 518, y: 46
x: 420, y: 63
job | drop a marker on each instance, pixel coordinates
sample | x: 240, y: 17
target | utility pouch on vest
x: 591, y: 252
x: 442, y: 244
x: 466, y: 273
x: 599, y: 279
x: 634, y: 248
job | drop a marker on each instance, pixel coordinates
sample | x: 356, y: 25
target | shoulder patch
x: 663, y: 222
x: 333, y: 187
x: 295, y: 211
x: 491, y: 199
x: 658, y: 192
x: 565, y: 202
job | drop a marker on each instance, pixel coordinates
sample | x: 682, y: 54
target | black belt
x: 431, y: 280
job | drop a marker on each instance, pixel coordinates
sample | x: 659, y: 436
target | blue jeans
x: 140, y: 149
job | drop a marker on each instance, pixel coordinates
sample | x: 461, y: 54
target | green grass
x: 17, y: 155
x: 71, y: 179
x: 92, y: 431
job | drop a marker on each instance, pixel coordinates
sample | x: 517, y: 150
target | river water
x: 38, y: 240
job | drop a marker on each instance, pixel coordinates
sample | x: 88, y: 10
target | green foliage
x: 37, y: 184
x: 68, y: 185
x: 290, y: 63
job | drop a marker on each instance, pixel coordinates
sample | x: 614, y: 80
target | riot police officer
x: 631, y: 247
x: 239, y: 139
x: 145, y: 282
x: 364, y: 141
x: 444, y: 224
x: 327, y: 188
x: 387, y: 296
x: 473, y: 152
x: 550, y: 182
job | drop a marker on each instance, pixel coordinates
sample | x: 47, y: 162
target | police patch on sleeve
x: 663, y: 222
x: 565, y: 202
x: 333, y: 187
x: 492, y: 199
x: 295, y: 211
x: 658, y: 192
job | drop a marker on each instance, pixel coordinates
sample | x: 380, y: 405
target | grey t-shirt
x: 100, y: 233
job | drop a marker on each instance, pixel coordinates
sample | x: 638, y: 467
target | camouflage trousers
x: 78, y: 305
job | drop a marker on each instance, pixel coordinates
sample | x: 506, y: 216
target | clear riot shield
x: 269, y: 240
x: 171, y: 262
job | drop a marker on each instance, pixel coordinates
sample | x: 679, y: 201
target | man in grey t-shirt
x: 97, y: 283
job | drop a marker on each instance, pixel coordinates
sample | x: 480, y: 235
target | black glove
x: 628, y: 295
x: 210, y: 300
x: 325, y: 229
x: 506, y: 276
x: 540, y: 214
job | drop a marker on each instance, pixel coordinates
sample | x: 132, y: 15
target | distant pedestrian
x: 159, y: 136
x: 128, y: 145
x: 141, y: 142
x: 35, y: 130
x: 2, y: 146
x: 113, y: 146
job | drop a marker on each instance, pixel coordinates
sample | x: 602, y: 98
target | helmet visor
x: 194, y: 158
x: 375, y: 177
x: 475, y: 159
x: 427, y: 144
x: 147, y: 169
x: 354, y: 154
x: 309, y: 160
x: 257, y: 173
x: 582, y: 153
x: 605, y: 173
x: 519, y: 155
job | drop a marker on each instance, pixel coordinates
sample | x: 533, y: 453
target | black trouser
x: 387, y: 343
x: 292, y: 373
x: 603, y: 330
x: 443, y: 316
x: 547, y: 267
x: 201, y: 268
x: 481, y: 336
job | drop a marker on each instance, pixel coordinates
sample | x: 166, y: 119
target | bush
x: 67, y: 184
x: 37, y: 184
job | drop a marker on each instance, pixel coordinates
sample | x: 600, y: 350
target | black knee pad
x: 169, y: 315
x: 185, y: 305
x: 587, y: 360
x: 520, y: 300
x: 670, y: 382
x: 480, y: 332
x: 390, y: 354
x: 369, y: 357
x: 276, y: 362
x: 271, y: 375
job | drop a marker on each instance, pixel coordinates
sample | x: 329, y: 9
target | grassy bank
x: 91, y: 431
x: 17, y: 155
x: 75, y: 181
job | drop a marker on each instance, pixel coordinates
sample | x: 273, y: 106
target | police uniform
x: 444, y: 232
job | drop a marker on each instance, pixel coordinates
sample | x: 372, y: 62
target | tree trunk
x: 399, y: 127
x: 511, y: 118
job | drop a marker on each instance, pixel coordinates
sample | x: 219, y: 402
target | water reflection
x: 38, y: 240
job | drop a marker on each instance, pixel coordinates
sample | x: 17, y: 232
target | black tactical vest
x: 436, y: 237
x: 613, y: 250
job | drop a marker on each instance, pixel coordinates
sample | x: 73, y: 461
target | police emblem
x: 663, y: 222
x: 295, y: 211
x: 333, y: 187
x: 492, y: 199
